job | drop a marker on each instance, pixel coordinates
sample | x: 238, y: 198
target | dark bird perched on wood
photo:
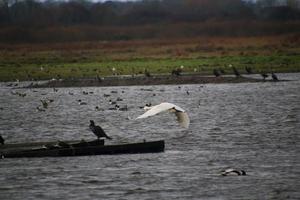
x: 236, y: 172
x: 248, y: 69
x: 98, y: 131
x: 274, y: 77
x: 1, y: 140
x: 216, y: 73
x: 236, y: 72
x: 264, y: 75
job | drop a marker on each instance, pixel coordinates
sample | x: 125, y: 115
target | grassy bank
x: 199, y: 55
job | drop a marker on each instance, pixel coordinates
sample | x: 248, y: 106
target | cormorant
x: 98, y: 131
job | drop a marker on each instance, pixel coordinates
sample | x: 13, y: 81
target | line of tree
x: 23, y: 15
x: 35, y: 13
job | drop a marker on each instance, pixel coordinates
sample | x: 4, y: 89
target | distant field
x: 196, y: 55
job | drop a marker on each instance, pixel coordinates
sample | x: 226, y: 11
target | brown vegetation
x: 35, y: 22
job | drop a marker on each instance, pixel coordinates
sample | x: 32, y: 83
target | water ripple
x: 252, y: 126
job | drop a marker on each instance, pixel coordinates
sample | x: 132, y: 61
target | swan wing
x: 183, y: 119
x: 156, y: 109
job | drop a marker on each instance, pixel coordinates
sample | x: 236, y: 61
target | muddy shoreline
x: 142, y: 80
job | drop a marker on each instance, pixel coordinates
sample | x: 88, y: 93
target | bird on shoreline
x: 248, y: 69
x: 181, y: 115
x: 264, y: 75
x: 274, y: 77
x: 236, y: 72
x: 98, y: 131
x: 216, y: 73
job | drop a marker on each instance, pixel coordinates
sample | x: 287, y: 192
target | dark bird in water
x: 274, y: 77
x: 248, y: 69
x: 97, y: 108
x: 236, y: 172
x: 147, y: 105
x: 125, y: 108
x: 112, y: 102
x: 98, y: 131
x: 236, y: 72
x: 45, y: 104
x: 216, y: 73
x: 264, y: 75
x: 116, y: 107
x: 1, y: 140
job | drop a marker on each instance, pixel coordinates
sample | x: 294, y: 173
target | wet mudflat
x: 249, y: 126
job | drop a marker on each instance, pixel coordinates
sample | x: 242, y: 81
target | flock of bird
x: 181, y: 115
x: 249, y: 70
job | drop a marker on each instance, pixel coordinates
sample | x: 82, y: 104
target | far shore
x: 143, y: 80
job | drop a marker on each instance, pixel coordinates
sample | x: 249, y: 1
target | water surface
x: 249, y: 126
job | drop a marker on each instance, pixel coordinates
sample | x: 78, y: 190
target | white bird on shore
x: 181, y: 115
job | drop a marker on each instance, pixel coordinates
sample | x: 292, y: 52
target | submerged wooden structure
x: 95, y: 147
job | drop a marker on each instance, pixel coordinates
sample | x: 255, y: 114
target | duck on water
x: 231, y: 171
x: 98, y: 131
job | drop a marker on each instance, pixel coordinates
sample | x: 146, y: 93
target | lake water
x: 249, y: 126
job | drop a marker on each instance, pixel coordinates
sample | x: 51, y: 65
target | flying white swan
x: 181, y: 115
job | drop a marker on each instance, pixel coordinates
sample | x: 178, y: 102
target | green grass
x: 78, y: 61
x: 31, y: 69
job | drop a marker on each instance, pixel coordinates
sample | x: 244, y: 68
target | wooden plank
x: 100, y: 149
